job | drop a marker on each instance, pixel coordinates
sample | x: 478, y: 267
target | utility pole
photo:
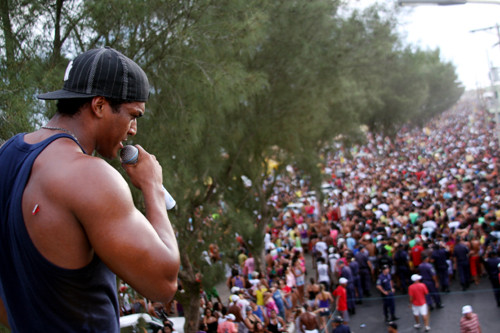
x: 493, y: 79
x: 446, y: 2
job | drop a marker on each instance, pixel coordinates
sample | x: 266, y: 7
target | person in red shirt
x: 416, y: 254
x: 469, y: 323
x: 417, y: 292
x: 228, y: 326
x: 340, y: 296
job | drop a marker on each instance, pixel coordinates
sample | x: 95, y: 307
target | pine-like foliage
x: 239, y: 90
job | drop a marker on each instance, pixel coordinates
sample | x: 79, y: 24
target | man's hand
x: 146, y: 172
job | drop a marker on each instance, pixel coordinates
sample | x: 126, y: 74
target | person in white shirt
x: 321, y: 247
x: 323, y: 274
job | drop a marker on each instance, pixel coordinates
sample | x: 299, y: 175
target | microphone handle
x: 169, y: 200
x: 129, y: 155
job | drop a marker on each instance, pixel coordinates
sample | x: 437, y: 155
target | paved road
x: 370, y: 313
x: 444, y: 320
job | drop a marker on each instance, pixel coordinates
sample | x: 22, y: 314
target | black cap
x: 102, y: 72
x: 338, y: 319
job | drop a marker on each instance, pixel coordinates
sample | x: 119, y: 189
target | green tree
x: 200, y: 85
x: 235, y: 85
x: 442, y: 89
x: 284, y: 122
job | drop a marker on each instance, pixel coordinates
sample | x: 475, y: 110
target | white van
x: 132, y: 323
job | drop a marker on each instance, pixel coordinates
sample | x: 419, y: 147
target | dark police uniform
x: 389, y: 305
x: 354, y: 266
x: 439, y: 257
x: 427, y: 272
x: 346, y: 272
x: 401, y: 261
x: 364, y: 271
x: 491, y: 266
x: 461, y: 253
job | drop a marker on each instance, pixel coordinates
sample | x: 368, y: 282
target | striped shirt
x: 469, y: 325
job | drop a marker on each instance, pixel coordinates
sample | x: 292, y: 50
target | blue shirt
x: 346, y: 272
x: 342, y: 329
x: 439, y: 257
x: 384, y: 281
x: 354, y: 266
x: 427, y: 272
x: 461, y: 253
x: 351, y: 243
x: 362, y: 259
x: 491, y: 266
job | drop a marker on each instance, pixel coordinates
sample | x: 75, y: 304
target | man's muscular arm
x: 142, y: 250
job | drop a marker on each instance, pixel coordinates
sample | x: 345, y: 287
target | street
x: 369, y: 316
x: 480, y: 297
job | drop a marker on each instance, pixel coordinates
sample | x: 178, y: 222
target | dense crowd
x: 424, y: 205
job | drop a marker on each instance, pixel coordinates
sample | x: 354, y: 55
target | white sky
x: 448, y: 27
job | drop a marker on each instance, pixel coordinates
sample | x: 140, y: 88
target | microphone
x: 129, y: 155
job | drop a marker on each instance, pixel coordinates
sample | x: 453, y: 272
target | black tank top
x: 38, y: 295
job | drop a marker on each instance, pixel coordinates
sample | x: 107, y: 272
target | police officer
x: 438, y: 258
x: 346, y: 272
x: 365, y: 270
x: 461, y: 255
x: 402, y: 263
x: 354, y: 266
x: 491, y: 264
x: 386, y: 288
x: 338, y: 325
x: 430, y: 280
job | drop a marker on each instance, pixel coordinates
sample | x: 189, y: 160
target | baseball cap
x: 230, y: 316
x: 102, y: 72
x: 466, y: 309
x: 343, y: 280
x: 338, y: 319
x: 415, y: 277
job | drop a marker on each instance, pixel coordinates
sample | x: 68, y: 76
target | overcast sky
x: 448, y: 27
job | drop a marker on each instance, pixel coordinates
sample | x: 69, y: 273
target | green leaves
x: 235, y: 84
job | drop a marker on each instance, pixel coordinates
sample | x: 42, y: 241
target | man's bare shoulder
x: 67, y: 171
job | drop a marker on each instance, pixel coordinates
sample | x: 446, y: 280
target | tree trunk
x: 7, y: 31
x: 260, y: 262
x: 190, y: 297
x: 190, y: 301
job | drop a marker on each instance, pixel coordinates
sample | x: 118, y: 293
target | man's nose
x: 133, y: 128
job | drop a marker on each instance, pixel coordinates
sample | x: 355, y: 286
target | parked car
x: 327, y: 188
x: 296, y: 207
x: 132, y: 323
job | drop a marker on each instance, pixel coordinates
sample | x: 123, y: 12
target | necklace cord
x: 60, y: 129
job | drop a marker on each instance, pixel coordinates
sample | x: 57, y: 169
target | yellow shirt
x: 259, y: 295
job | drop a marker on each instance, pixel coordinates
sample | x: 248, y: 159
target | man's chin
x: 109, y: 155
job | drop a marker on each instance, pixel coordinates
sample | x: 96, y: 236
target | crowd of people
x: 402, y: 216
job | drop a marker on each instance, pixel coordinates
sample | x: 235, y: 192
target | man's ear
x: 97, y: 105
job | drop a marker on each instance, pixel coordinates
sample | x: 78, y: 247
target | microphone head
x: 129, y: 154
